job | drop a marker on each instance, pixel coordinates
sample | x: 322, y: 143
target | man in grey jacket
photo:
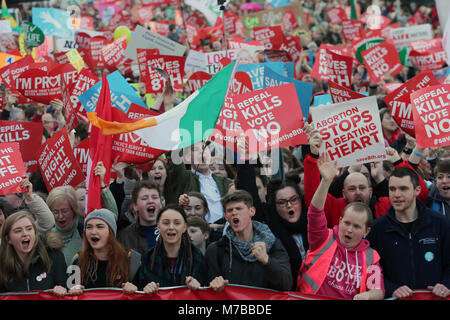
x: 248, y: 253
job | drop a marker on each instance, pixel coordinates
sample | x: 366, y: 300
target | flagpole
x: 221, y: 4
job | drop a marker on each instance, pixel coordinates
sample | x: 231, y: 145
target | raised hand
x: 327, y: 167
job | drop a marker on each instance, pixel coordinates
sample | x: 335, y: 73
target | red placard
x: 271, y: 37
x: 197, y: 80
x: 81, y: 153
x: 289, y: 20
x: 128, y: 146
x: 399, y: 100
x: 270, y: 118
x: 145, y: 14
x: 432, y: 59
x: 86, y: 79
x: 57, y: 162
x: 45, y: 86
x: 172, y: 65
x: 336, y: 15
x: 61, y: 57
x: 12, y: 168
x: 341, y: 94
x: 96, y: 45
x: 113, y: 53
x: 425, y: 45
x: 28, y: 135
x: 292, y: 46
x: 70, y: 114
x: 333, y: 66
x: 431, y: 110
x: 10, y: 72
x: 351, y: 29
x: 142, y: 56
x: 381, y: 60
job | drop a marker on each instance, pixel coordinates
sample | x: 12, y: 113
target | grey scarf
x: 261, y: 232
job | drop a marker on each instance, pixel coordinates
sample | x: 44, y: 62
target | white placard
x: 351, y: 131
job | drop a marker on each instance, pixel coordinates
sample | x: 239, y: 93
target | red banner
x: 230, y: 293
x: 431, y: 110
x: 271, y: 37
x: 11, y: 168
x: 381, y: 60
x: 399, y: 100
x: 45, y: 86
x: 96, y: 45
x: 57, y: 162
x: 341, y: 94
x: 29, y: 136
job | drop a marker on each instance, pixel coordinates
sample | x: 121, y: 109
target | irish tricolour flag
x: 189, y: 122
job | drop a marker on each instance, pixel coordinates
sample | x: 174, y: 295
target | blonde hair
x: 65, y: 193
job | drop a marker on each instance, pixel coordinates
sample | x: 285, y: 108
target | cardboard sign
x: 342, y: 94
x: 402, y: 36
x: 57, y: 162
x: 351, y: 131
x: 271, y: 37
x: 197, y: 80
x: 45, y: 86
x: 332, y: 66
x: 145, y: 39
x: 245, y: 55
x: 351, y: 29
x: 75, y: 59
x: 336, y: 15
x: 12, y: 168
x: 381, y: 60
x: 431, y: 110
x: 28, y: 135
x: 432, y: 59
x: 399, y: 100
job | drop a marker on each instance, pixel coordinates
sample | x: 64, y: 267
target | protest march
x: 225, y: 150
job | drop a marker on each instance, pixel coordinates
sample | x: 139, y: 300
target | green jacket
x: 181, y: 180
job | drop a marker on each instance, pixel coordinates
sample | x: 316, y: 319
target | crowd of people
x: 367, y: 232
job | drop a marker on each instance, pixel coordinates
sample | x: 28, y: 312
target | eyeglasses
x: 284, y: 202
x: 63, y: 211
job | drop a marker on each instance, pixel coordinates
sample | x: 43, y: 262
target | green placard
x: 34, y: 36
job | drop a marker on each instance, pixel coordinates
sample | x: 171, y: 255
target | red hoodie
x: 342, y: 280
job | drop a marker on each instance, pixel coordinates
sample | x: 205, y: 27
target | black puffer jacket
x: 38, y: 279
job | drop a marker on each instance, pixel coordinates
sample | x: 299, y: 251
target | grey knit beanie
x: 105, y: 215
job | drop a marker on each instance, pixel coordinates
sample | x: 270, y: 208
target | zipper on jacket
x: 412, y: 259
